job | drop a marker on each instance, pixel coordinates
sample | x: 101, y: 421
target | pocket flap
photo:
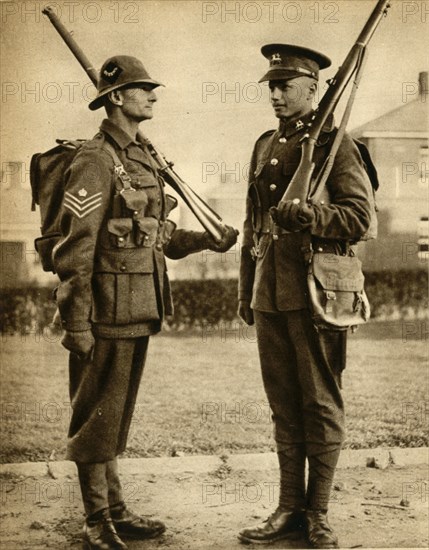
x: 120, y: 226
x: 145, y: 180
x: 148, y: 225
x: 343, y: 273
x: 135, y: 200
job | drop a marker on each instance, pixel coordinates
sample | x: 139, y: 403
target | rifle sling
x: 320, y: 181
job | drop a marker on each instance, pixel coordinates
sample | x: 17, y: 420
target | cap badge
x: 275, y: 59
x: 111, y: 72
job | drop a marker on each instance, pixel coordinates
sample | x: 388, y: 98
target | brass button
x: 123, y: 267
x: 146, y: 237
x: 320, y: 249
x: 275, y: 237
x: 158, y: 247
x: 273, y: 187
x: 136, y: 212
x: 121, y: 239
x: 274, y: 162
x: 282, y: 140
x: 322, y: 202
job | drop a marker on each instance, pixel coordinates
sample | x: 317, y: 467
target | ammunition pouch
x: 146, y: 231
x: 121, y: 232
x: 135, y: 200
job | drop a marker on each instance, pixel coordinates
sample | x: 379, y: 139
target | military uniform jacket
x: 110, y: 259
x: 276, y: 279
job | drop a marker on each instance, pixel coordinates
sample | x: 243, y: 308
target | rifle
x: 301, y: 187
x: 208, y: 218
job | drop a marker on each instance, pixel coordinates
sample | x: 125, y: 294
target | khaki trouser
x: 301, y: 370
x: 103, y: 393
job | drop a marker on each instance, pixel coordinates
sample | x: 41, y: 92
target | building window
x: 424, y: 165
x: 423, y: 239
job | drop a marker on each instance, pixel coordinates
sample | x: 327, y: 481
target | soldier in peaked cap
x: 301, y: 366
x: 114, y: 290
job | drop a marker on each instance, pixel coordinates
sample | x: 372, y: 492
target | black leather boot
x: 319, y: 532
x: 281, y: 524
x: 100, y: 534
x: 129, y: 524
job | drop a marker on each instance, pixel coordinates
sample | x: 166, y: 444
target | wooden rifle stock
x: 208, y: 218
x: 299, y: 187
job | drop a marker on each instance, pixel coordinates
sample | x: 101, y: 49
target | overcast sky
x: 208, y: 56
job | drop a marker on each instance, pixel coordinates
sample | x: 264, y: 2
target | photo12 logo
x: 72, y: 11
x: 270, y: 12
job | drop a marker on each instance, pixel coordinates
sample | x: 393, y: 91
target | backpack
x: 371, y: 172
x: 47, y: 172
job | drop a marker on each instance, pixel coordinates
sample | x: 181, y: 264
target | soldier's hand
x: 293, y: 215
x: 245, y: 312
x: 81, y: 343
x: 229, y: 238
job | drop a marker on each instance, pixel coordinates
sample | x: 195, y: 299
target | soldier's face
x: 137, y: 103
x: 292, y: 98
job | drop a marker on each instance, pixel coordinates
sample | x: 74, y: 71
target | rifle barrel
x: 71, y: 43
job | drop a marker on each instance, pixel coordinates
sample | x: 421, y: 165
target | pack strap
x: 119, y: 170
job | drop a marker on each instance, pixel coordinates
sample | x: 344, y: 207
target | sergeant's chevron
x: 82, y: 207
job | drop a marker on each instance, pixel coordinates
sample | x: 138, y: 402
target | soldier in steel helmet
x: 114, y: 290
x: 301, y: 365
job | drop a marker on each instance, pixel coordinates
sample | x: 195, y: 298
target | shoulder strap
x: 119, y: 169
x: 323, y: 175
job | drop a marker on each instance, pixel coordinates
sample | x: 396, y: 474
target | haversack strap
x: 119, y: 170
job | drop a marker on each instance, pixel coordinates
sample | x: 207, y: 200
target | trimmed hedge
x: 402, y: 293
x: 198, y: 302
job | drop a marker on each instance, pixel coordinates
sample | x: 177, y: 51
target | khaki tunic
x: 276, y: 281
x: 110, y: 259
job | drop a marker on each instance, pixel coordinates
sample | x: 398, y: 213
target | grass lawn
x: 204, y: 395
